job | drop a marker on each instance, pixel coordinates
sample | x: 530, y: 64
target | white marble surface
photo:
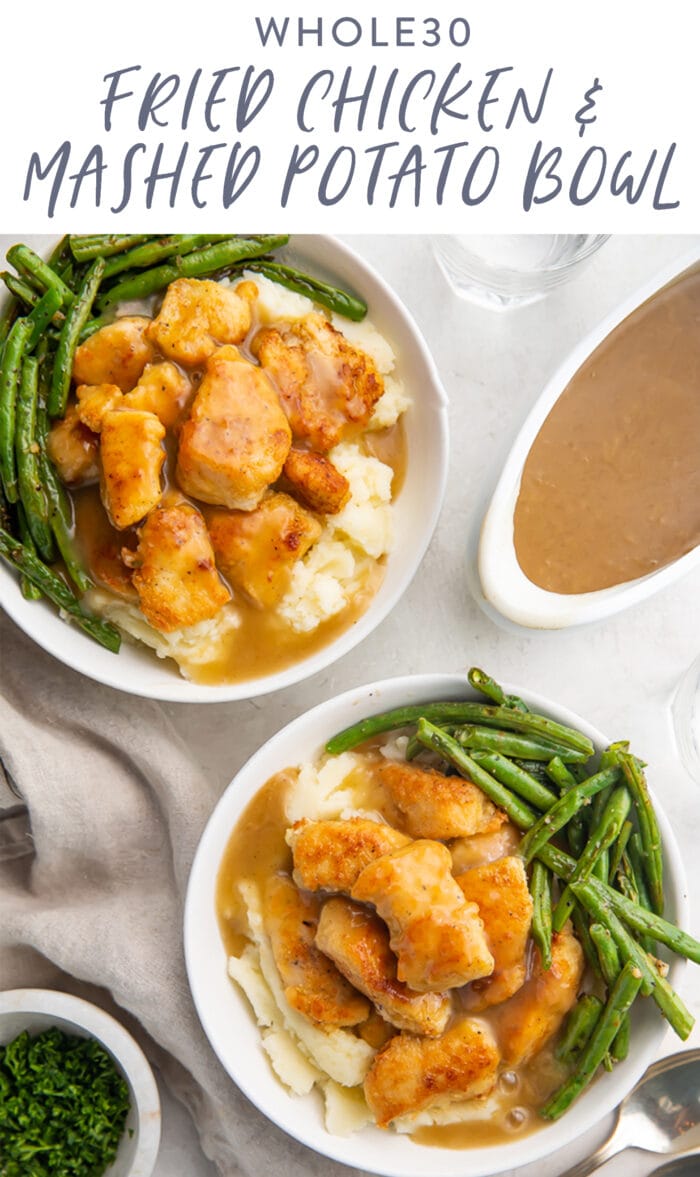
x: 620, y: 674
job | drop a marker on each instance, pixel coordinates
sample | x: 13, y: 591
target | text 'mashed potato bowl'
x: 238, y: 458
x: 361, y: 876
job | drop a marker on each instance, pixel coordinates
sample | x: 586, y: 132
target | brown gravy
x: 257, y: 849
x: 610, y: 490
x: 263, y: 643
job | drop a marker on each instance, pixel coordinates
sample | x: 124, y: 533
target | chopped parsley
x: 63, y: 1106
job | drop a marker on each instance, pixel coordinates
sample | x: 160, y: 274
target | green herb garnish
x: 63, y: 1106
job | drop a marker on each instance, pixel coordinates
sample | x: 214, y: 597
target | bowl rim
x: 177, y: 689
x: 504, y: 585
x: 199, y: 915
x: 117, y: 1040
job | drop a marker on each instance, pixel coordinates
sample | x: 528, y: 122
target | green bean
x: 621, y: 1044
x: 648, y: 829
x: 28, y: 590
x: 12, y: 357
x: 60, y: 510
x: 439, y: 741
x: 578, y: 1027
x: 94, y: 325
x: 61, y: 255
x: 627, y: 946
x: 158, y: 249
x: 564, y: 809
x: 560, y: 774
x: 541, y: 891
x: 634, y: 862
x: 534, y: 768
x: 608, y: 954
x: 331, y: 297
x: 75, y: 320
x: 603, y: 835
x: 201, y: 262
x: 515, y: 778
x: 57, y: 591
x: 41, y: 316
x: 619, y: 1002
x: 29, y: 263
x: 27, y: 451
x: 86, y: 247
x: 458, y: 713
x: 20, y: 288
x: 636, y: 917
x: 619, y: 849
x: 10, y: 310
x: 488, y: 739
x: 488, y: 686
x: 581, y: 922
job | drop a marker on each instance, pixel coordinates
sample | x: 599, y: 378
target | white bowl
x: 39, y: 1009
x: 504, y: 585
x: 230, y: 1026
x: 136, y: 669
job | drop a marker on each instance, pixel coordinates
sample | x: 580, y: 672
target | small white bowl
x: 230, y: 1025
x: 136, y: 669
x: 40, y: 1009
x: 504, y: 586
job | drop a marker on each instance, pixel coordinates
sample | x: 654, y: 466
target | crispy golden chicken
x: 312, y: 983
x: 94, y: 400
x: 357, y: 941
x: 330, y: 855
x: 537, y: 1011
x: 198, y: 316
x: 412, y: 1073
x: 482, y: 848
x: 436, y: 934
x: 315, y: 480
x: 174, y: 570
x: 503, y: 898
x: 436, y: 806
x: 116, y: 354
x: 236, y: 439
x: 328, y: 387
x: 132, y: 457
x: 74, y: 450
x: 162, y: 389
x: 256, y: 550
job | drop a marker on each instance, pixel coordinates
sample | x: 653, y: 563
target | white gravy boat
x: 504, y: 586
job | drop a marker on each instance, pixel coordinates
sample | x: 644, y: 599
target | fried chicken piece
x: 74, y: 450
x: 174, y: 570
x: 328, y: 387
x: 162, y: 389
x: 256, y: 550
x: 411, y: 1073
x: 116, y: 354
x: 537, y: 1010
x: 376, y: 1031
x: 94, y: 400
x: 358, y: 943
x: 436, y: 934
x: 329, y: 855
x: 482, y: 848
x: 198, y: 316
x: 316, y: 482
x: 237, y: 438
x: 503, y: 898
x: 132, y: 459
x: 436, y: 806
x: 312, y: 984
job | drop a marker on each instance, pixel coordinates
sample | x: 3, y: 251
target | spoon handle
x: 589, y: 1165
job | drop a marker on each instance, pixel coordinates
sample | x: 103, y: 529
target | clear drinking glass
x: 685, y: 710
x: 502, y: 270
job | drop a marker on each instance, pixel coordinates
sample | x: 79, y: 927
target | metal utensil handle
x: 589, y: 1165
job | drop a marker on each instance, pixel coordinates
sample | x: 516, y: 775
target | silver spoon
x: 684, y: 1166
x: 660, y: 1115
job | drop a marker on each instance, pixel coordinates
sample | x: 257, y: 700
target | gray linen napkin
x: 117, y: 807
